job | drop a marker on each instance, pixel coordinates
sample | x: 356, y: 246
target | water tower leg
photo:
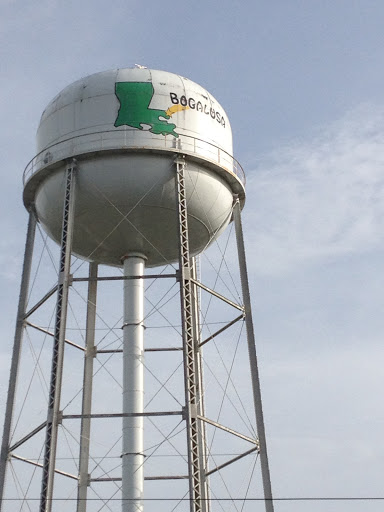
x: 90, y: 353
x: 19, y: 331
x: 253, y: 359
x: 193, y: 427
x: 133, y: 385
x: 200, y: 386
x: 53, y: 418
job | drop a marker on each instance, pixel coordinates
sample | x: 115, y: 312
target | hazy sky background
x: 303, y: 85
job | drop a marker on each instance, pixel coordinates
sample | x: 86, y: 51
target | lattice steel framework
x: 191, y: 376
x: 53, y: 418
x: 192, y: 412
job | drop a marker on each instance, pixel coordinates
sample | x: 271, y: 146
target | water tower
x: 134, y: 171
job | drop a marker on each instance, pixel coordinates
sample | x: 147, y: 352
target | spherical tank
x: 125, y: 128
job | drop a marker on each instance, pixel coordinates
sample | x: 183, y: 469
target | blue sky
x: 302, y: 83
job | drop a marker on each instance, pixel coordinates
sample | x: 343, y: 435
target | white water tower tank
x: 125, y: 127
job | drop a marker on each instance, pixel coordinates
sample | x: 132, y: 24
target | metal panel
x: 92, y: 105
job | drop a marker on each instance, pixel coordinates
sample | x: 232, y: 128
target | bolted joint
x: 136, y: 324
x: 193, y: 411
x: 91, y: 352
x: 50, y: 416
x: 132, y: 453
x: 180, y: 159
x: 62, y: 279
x: 85, y: 480
x: 184, y: 273
x: 72, y: 164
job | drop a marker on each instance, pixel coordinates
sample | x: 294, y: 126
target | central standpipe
x: 133, y: 384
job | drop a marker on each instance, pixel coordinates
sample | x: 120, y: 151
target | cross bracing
x: 224, y: 425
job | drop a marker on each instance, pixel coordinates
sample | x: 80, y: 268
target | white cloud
x: 319, y: 198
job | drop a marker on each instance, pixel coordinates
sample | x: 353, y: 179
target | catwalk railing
x: 131, y: 140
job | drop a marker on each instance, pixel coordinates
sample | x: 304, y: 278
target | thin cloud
x: 320, y: 198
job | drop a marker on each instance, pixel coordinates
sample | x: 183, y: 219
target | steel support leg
x: 19, y: 331
x: 53, y: 418
x: 90, y: 353
x: 188, y: 330
x: 200, y: 387
x: 253, y: 359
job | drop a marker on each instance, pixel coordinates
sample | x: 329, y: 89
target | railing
x: 131, y: 139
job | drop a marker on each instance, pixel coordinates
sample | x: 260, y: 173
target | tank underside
x: 126, y: 203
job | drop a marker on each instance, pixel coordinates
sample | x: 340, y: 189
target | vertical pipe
x: 53, y: 417
x: 253, y: 359
x: 19, y: 331
x: 90, y: 353
x: 133, y: 385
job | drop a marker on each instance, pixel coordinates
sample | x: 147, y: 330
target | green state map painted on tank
x: 134, y: 110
